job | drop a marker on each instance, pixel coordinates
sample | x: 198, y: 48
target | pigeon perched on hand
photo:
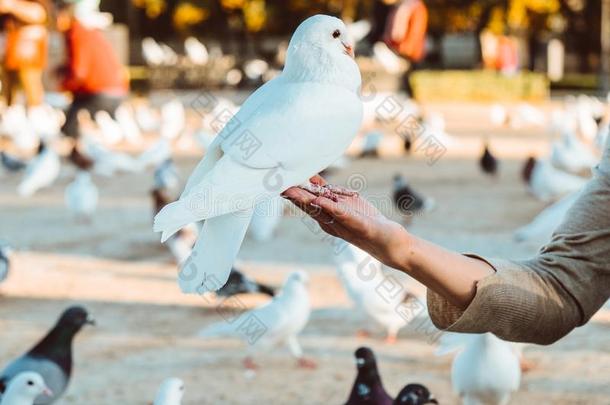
x: 170, y: 392
x: 52, y: 356
x: 286, y: 132
x: 24, y: 389
x: 368, y: 388
x: 239, y: 283
x: 277, y: 322
x: 415, y: 394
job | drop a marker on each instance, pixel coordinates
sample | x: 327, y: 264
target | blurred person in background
x: 27, y: 34
x: 405, y: 33
x: 93, y: 72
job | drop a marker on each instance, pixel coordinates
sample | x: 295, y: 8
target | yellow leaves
x: 187, y: 14
x: 255, y: 15
x: 232, y: 4
x: 517, y: 12
x: 154, y: 8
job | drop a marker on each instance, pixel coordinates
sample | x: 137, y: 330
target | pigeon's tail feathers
x: 209, y: 266
x: 216, y: 330
x: 172, y: 218
x: 452, y: 342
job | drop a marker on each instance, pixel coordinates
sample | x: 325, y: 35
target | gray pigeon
x: 52, y: 356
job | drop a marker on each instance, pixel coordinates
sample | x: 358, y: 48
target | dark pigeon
x: 52, y: 356
x: 4, y: 262
x: 368, y: 389
x: 415, y: 394
x: 407, y: 200
x: 239, y: 283
x: 488, y: 162
x: 528, y: 169
x: 12, y: 163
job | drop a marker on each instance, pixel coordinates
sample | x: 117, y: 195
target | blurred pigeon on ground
x: 170, y: 392
x: 81, y: 196
x: 541, y: 228
x: 358, y: 30
x: 488, y: 162
x: 15, y: 124
x: 571, y: 155
x: 79, y: 160
x: 126, y: 120
x: 368, y: 388
x: 156, y: 154
x: 485, y: 371
x: 52, y: 356
x: 41, y: 172
x: 45, y: 122
x: 196, y: 51
x: 278, y: 145
x: 24, y: 389
x: 387, y: 58
x: 266, y: 218
x: 547, y: 183
x: 173, y: 119
x: 498, y: 115
x: 147, y: 119
x: 166, y: 175
x: 111, y: 130
x: 239, y: 283
x: 407, y: 200
x: 361, y: 275
x: 11, y: 163
x: 415, y: 394
x: 277, y: 322
x: 152, y: 52
x: 5, y: 262
x: 107, y: 162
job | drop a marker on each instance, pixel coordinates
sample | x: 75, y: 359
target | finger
x: 330, y: 207
x: 317, y: 179
x: 298, y: 195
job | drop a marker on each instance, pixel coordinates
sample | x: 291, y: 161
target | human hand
x: 356, y: 221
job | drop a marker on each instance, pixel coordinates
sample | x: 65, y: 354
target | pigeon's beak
x: 47, y: 392
x: 90, y: 321
x: 349, y: 50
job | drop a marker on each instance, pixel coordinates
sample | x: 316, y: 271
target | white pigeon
x: 541, y: 228
x: 486, y: 371
x: 571, y: 155
x: 156, y: 154
x: 255, y: 69
x: 108, y: 162
x: 173, y: 119
x: 110, y: 129
x: 275, y: 323
x: 148, y: 120
x: 586, y: 123
x: 498, y: 115
x: 81, y: 196
x: 266, y: 218
x: 15, y: 124
x: 24, y: 389
x: 129, y: 127
x: 550, y: 184
x: 152, y: 52
x: 196, y: 52
x: 170, y: 392
x: 527, y: 114
x: 364, y: 280
x: 41, y: 172
x: 287, y: 131
x: 45, y: 122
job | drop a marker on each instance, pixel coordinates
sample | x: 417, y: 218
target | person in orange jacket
x: 93, y: 72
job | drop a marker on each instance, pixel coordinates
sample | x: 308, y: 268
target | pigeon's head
x: 75, y: 318
x: 365, y: 359
x: 321, y: 50
x: 415, y: 394
x: 171, y: 391
x: 28, y: 386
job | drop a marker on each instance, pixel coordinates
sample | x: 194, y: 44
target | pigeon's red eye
x: 336, y: 34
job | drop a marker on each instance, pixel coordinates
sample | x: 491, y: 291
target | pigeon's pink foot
x: 390, y: 339
x: 249, y: 364
x: 363, y: 334
x: 306, y: 363
x: 328, y: 191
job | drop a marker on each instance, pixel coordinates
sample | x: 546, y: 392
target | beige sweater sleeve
x: 543, y: 299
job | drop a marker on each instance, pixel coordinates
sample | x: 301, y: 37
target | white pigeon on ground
x: 110, y: 129
x: 571, y: 155
x: 156, y: 154
x: 550, y: 184
x: 287, y: 131
x: 373, y: 293
x: 41, y: 172
x: 81, y: 196
x: 171, y: 392
x: 15, y: 124
x: 527, y: 114
x: 277, y: 322
x: 541, y: 228
x: 152, y: 52
x: 486, y: 371
x: 266, y: 218
x: 126, y: 120
x: 148, y: 120
x: 45, y: 122
x: 498, y: 116
x: 108, y: 162
x: 24, y: 389
x: 196, y: 51
x: 173, y: 119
